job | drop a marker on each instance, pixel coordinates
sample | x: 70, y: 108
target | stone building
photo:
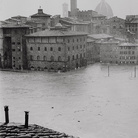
x: 131, y: 24
x: 13, y: 45
x: 56, y: 49
x: 128, y: 53
x: 92, y: 52
x: 41, y: 17
x: 116, y: 26
x: 109, y: 51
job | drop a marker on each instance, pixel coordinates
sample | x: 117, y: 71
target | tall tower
x: 65, y: 9
x: 73, y: 6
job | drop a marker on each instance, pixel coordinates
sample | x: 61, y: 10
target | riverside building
x: 56, y: 49
x: 13, y: 46
x: 128, y: 53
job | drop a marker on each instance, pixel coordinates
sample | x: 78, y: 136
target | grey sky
x: 9, y: 8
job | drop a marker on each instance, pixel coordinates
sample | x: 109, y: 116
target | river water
x: 86, y: 103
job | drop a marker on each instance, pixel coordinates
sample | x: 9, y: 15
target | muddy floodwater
x: 89, y: 102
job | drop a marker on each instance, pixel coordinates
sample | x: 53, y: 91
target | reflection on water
x: 85, y: 102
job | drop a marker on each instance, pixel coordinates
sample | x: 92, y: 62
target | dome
x: 104, y: 9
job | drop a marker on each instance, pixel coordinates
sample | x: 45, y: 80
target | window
x: 51, y: 48
x: 18, y: 43
x: 80, y: 46
x: 77, y: 47
x: 31, y: 57
x: 73, y: 57
x: 59, y: 58
x: 68, y: 48
x: 52, y: 58
x: 68, y: 58
x: 31, y: 48
x: 13, y: 49
x: 77, y: 40
x: 84, y: 54
x: 73, y: 48
x: 68, y: 40
x: 44, y: 58
x: 84, y: 46
x: 45, y: 48
x: 38, y: 57
x: 73, y: 40
x: 59, y: 49
x: 114, y: 27
x: 77, y: 56
x: 13, y: 43
x: 80, y: 55
x: 38, y: 48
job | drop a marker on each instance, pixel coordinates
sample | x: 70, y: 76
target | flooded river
x: 86, y: 102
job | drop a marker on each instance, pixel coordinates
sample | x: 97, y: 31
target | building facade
x: 131, y: 25
x: 116, y: 26
x: 76, y: 25
x: 56, y: 49
x: 13, y: 46
x: 92, y: 52
x: 109, y: 52
x: 128, y: 53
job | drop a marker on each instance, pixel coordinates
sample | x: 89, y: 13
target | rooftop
x: 13, y: 25
x: 13, y: 130
x: 40, y: 14
x: 100, y: 36
x: 48, y: 33
x: 128, y: 44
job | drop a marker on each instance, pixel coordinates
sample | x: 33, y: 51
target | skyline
x: 16, y: 7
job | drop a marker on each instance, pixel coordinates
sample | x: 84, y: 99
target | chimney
x: 6, y: 109
x: 26, y: 119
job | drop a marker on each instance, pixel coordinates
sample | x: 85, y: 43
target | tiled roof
x: 100, y: 36
x: 90, y: 40
x: 73, y: 21
x: 13, y: 130
x: 47, y: 33
x: 11, y: 25
x: 128, y: 44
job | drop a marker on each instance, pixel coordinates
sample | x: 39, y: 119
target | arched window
x: 44, y: 58
x: 31, y: 57
x: 59, y: 49
x: 73, y: 57
x: 59, y: 58
x: 45, y: 48
x: 51, y: 48
x: 31, y: 48
x: 68, y: 58
x: 38, y: 48
x: 80, y: 55
x: 52, y: 58
x: 38, y: 57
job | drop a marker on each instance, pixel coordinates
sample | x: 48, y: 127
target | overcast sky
x: 9, y: 8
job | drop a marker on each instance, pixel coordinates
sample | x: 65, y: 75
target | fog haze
x: 9, y: 8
